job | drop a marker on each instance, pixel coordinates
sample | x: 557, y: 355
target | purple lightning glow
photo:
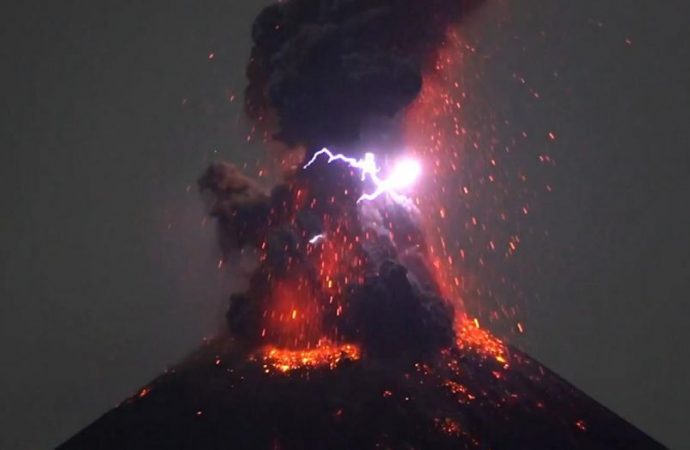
x: 317, y: 238
x: 403, y: 175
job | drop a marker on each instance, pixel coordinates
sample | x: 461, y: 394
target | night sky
x: 110, y: 113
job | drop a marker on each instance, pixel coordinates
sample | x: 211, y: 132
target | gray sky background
x: 107, y: 274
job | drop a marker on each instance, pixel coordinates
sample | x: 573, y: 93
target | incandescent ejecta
x: 347, y: 336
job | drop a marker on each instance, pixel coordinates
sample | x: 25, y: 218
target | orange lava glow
x: 471, y: 336
x: 434, y: 128
x: 464, y: 200
x: 294, y: 317
x: 449, y: 426
x: 325, y: 354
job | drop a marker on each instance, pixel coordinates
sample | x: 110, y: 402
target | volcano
x: 345, y: 339
x: 352, y: 332
x: 222, y: 398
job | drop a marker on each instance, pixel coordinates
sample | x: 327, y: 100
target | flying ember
x: 403, y: 175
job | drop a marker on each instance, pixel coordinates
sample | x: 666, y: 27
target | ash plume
x: 238, y: 203
x: 324, y: 68
x: 321, y: 71
x: 392, y: 317
x: 394, y: 312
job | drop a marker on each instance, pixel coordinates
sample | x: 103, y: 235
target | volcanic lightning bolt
x: 403, y: 175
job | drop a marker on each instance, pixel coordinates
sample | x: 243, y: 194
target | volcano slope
x: 472, y: 395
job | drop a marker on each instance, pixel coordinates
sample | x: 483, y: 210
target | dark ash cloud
x: 320, y: 71
x: 323, y: 68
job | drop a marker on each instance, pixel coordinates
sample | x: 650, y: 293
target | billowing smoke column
x: 325, y: 68
x: 332, y: 267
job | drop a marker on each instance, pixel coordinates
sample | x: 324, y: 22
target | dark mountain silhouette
x: 222, y: 398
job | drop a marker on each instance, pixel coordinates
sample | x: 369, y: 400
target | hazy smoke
x: 238, y: 203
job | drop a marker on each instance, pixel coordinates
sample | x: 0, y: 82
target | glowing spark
x: 404, y: 174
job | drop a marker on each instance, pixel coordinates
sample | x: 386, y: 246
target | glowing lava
x: 470, y: 336
x: 403, y: 175
x: 326, y: 353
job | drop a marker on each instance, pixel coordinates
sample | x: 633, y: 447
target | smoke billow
x: 324, y: 68
x: 330, y: 267
x: 384, y: 297
x: 238, y: 202
x: 392, y: 317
